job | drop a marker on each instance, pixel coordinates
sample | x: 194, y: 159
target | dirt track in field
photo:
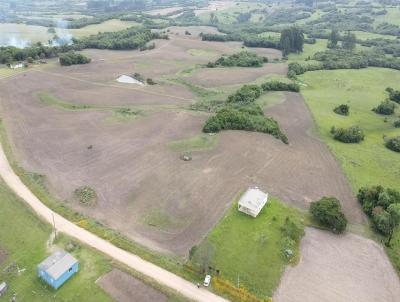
x: 346, y: 268
x: 144, y: 190
x: 122, y: 287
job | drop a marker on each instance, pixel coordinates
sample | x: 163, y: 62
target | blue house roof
x: 57, y: 264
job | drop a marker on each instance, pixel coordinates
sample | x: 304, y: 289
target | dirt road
x: 62, y: 225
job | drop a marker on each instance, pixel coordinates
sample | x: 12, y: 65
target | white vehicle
x: 207, y: 280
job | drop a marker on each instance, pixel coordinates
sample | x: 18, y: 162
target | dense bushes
x: 245, y: 95
x: 345, y: 59
x: 241, y: 113
x: 396, y: 124
x: 393, y: 144
x: 349, y: 135
x: 72, y: 58
x: 241, y: 118
x: 383, y: 206
x: 241, y: 59
x: 280, y: 86
x: 394, y: 95
x: 131, y: 38
x: 385, y: 108
x: 328, y: 213
x: 342, y: 109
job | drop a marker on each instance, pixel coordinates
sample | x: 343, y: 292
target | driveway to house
x: 159, y: 274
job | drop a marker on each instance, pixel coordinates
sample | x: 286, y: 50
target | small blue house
x: 58, y: 268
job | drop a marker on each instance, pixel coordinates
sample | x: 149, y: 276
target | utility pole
x: 54, y: 226
x: 238, y: 281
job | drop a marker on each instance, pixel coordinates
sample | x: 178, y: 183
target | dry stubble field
x: 143, y: 188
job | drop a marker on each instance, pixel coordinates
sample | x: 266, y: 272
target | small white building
x: 16, y: 66
x: 252, y: 201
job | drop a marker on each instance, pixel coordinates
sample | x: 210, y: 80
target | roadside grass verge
x: 250, y: 251
x: 370, y: 162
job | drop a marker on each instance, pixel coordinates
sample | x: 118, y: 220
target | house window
x: 70, y: 269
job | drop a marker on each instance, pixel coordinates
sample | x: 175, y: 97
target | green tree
x: 327, y: 212
x: 349, y: 41
x: 333, y: 38
x: 292, y: 40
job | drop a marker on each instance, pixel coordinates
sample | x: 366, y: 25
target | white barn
x: 253, y: 201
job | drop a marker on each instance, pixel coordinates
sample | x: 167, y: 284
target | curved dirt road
x: 160, y: 275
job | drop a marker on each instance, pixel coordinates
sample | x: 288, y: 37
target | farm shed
x: 253, y: 201
x: 58, y: 268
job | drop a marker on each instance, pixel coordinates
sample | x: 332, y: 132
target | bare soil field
x: 125, y: 288
x: 345, y: 268
x: 215, y: 77
x: 143, y: 187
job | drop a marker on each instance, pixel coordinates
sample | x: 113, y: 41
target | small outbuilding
x: 58, y: 268
x: 252, y: 201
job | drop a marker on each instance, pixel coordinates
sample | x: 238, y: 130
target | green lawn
x: 107, y: 26
x: 393, y: 16
x: 370, y: 162
x: 24, y: 238
x: 363, y: 35
x: 253, y: 248
x: 309, y: 50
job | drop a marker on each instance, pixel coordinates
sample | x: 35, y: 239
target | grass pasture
x: 370, y: 162
x: 25, y: 239
x: 107, y: 26
x: 251, y: 249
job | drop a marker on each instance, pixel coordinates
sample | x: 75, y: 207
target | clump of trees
x: 382, y: 205
x: 393, y: 144
x: 241, y: 59
x: 333, y: 39
x: 394, y: 95
x: 292, y: 40
x: 385, y: 108
x: 131, y: 38
x: 397, y: 124
x: 349, y: 41
x: 342, y: 109
x: 280, y: 86
x: 245, y: 95
x: 328, y: 212
x: 248, y: 118
x: 73, y: 58
x: 349, y: 135
x: 240, y: 112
